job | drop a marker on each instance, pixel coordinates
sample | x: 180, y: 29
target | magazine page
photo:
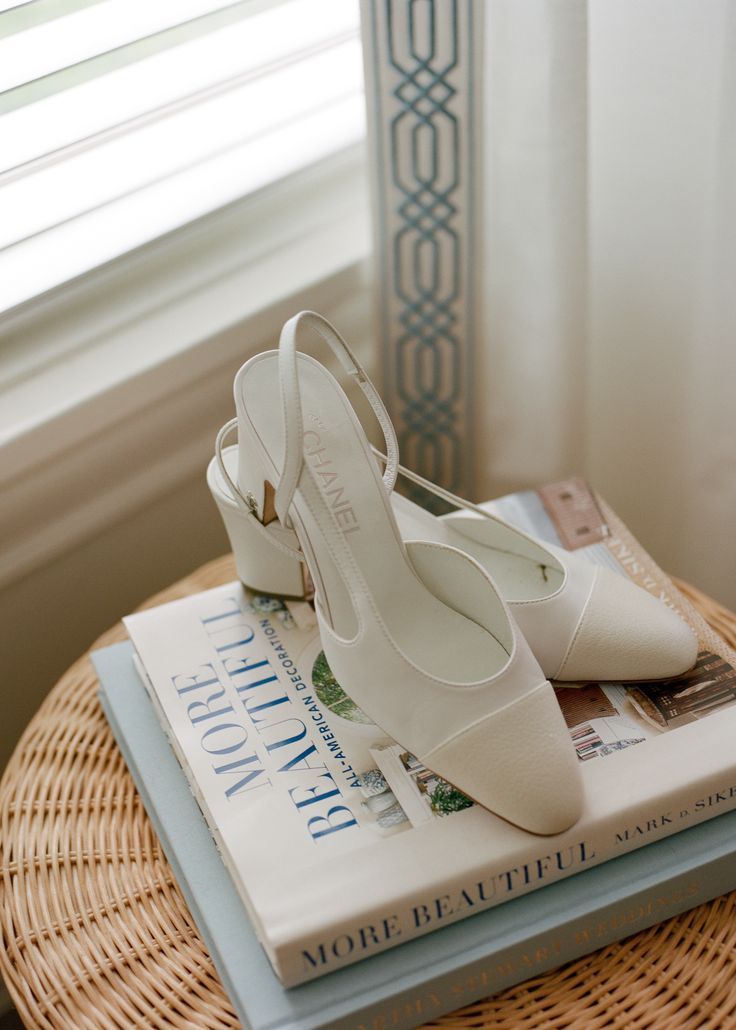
x: 612, y: 716
x: 342, y: 843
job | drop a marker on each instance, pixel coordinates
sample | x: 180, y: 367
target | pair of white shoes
x: 443, y: 630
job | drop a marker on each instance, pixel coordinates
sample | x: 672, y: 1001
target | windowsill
x: 137, y: 358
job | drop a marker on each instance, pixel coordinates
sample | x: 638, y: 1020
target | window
x: 122, y: 120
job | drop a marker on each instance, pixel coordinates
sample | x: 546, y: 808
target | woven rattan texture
x: 96, y: 933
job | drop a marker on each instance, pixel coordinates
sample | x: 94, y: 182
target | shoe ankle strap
x: 292, y: 409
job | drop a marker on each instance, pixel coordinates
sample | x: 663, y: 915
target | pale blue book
x: 428, y: 976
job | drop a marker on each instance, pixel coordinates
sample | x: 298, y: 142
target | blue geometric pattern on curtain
x: 421, y: 77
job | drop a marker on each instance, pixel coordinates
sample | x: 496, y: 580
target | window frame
x: 138, y: 357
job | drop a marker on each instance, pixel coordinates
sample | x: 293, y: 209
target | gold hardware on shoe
x: 308, y: 583
x: 269, y: 506
x: 252, y: 506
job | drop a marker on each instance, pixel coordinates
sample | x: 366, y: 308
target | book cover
x: 431, y: 975
x: 339, y: 842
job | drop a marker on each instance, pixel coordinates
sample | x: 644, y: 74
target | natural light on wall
x: 121, y: 121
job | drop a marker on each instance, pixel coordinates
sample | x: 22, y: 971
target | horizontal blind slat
x: 18, y: 15
x: 90, y: 179
x: 11, y: 5
x: 154, y: 84
x: 87, y: 33
x: 70, y: 250
x: 167, y: 130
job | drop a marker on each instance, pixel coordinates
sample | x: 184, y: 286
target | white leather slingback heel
x: 582, y: 622
x: 415, y: 632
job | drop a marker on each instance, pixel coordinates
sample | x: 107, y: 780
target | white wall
x: 50, y: 617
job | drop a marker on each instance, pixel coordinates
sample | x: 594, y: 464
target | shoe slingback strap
x: 249, y: 507
x: 434, y: 488
x: 457, y: 502
x: 247, y: 504
x: 292, y: 409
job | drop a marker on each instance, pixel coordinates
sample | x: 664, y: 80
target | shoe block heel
x: 262, y: 569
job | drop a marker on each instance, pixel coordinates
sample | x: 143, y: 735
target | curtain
x: 662, y: 270
x: 600, y: 272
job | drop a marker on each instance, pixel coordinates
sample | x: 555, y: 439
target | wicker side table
x: 96, y: 933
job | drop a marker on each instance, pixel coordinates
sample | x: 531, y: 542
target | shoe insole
x: 347, y: 482
x: 521, y: 569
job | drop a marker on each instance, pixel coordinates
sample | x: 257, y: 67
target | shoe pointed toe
x: 626, y: 633
x: 502, y: 749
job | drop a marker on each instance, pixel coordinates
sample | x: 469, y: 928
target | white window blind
x: 121, y: 120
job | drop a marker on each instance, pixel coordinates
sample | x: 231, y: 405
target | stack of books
x: 332, y: 875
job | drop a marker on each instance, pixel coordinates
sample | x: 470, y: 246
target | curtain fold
x: 603, y: 260
x: 531, y: 403
x: 662, y: 344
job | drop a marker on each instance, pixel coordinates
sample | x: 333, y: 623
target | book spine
x: 307, y: 957
x: 500, y: 967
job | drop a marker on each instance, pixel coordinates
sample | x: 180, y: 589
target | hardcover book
x: 338, y: 841
x: 433, y: 974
